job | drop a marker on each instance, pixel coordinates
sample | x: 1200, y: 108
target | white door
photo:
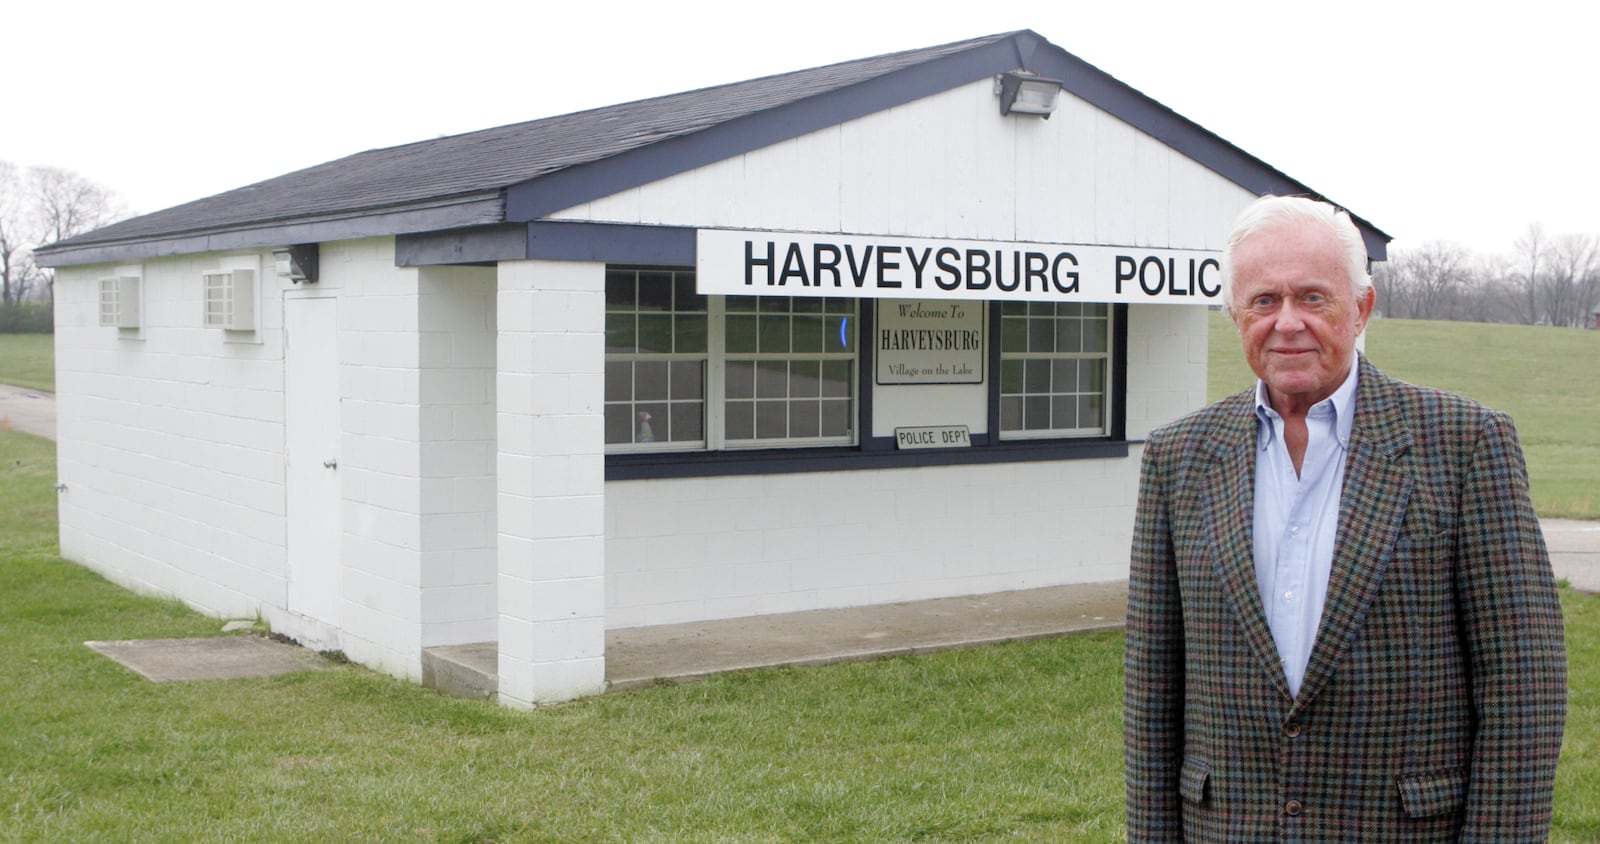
x: 311, y: 438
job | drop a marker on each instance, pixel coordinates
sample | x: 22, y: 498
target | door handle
x: 331, y: 463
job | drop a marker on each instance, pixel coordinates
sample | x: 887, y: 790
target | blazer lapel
x: 1377, y: 487
x: 1228, y: 497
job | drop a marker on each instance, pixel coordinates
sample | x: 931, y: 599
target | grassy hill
x: 1544, y: 377
x: 28, y: 360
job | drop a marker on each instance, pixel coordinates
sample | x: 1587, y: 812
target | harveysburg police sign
x: 746, y: 263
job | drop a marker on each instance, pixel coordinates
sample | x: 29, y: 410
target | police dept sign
x: 746, y: 263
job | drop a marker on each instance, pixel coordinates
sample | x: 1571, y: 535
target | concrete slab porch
x: 642, y: 656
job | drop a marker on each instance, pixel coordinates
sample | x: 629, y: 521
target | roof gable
x: 523, y: 171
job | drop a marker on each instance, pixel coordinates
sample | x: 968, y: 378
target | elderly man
x: 1342, y: 624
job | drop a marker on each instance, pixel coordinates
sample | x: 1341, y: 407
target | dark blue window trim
x: 626, y: 467
x: 880, y: 452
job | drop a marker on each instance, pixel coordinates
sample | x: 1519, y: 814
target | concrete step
x: 467, y: 671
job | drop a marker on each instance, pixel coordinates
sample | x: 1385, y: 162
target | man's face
x: 1295, y: 312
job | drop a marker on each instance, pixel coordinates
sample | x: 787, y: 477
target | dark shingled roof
x: 524, y: 171
x: 490, y: 160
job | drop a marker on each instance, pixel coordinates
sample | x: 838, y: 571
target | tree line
x: 1544, y: 280
x: 40, y: 205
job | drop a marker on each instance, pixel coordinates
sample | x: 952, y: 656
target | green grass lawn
x: 1018, y: 742
x: 1015, y: 742
x: 28, y: 360
x: 1543, y: 377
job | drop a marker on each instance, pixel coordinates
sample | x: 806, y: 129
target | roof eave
x: 476, y: 209
x: 546, y: 194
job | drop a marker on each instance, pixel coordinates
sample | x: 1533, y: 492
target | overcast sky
x: 1432, y: 121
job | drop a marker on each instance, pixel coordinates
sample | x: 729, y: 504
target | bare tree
x: 1570, y: 283
x: 14, y: 248
x: 1484, y: 299
x: 43, y: 205
x: 1531, y: 252
x: 1425, y: 283
x: 67, y: 204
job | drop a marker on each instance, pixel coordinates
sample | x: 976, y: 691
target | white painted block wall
x: 457, y: 427
x: 170, y: 441
x: 681, y: 550
x: 687, y: 550
x: 171, y: 446
x: 1083, y: 176
x: 1167, y: 351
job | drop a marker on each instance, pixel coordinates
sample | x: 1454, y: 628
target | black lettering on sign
x: 1144, y: 276
x: 1000, y: 272
x: 829, y: 265
x: 751, y: 262
x: 918, y: 266
x: 884, y: 265
x: 978, y: 267
x: 946, y: 259
x: 794, y: 266
x: 1071, y: 285
x: 858, y: 273
x: 1033, y: 270
x: 1208, y: 264
x: 1126, y: 270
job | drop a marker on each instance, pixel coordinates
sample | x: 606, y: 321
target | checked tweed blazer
x: 1433, y: 704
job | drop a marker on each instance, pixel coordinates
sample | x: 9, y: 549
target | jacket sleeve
x: 1153, y: 679
x: 1512, y: 629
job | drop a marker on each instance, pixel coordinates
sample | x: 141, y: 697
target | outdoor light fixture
x: 1022, y: 92
x: 297, y: 263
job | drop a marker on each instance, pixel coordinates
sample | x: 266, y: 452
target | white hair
x: 1272, y: 211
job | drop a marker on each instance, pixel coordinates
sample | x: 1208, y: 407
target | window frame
x: 1107, y: 393
x: 716, y: 359
x: 869, y: 452
x: 669, y: 358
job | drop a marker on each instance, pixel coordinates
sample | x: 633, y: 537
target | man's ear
x: 1364, y: 305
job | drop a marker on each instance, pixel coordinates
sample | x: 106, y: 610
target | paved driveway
x: 29, y: 411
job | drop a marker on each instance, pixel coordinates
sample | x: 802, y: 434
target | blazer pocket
x: 1192, y: 780
x: 1433, y: 794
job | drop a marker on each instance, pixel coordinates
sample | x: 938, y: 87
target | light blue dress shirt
x: 1297, y: 520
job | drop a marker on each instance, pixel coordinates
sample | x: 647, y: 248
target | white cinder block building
x: 862, y: 333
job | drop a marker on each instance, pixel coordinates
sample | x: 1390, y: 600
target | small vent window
x: 119, y: 302
x: 230, y: 300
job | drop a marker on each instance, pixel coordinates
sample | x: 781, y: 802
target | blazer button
x: 1294, y: 808
x: 1292, y: 729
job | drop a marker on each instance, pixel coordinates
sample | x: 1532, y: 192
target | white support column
x: 550, y: 390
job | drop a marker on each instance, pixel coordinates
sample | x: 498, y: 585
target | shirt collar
x: 1342, y: 404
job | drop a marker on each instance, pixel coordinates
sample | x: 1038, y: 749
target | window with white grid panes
x: 656, y: 360
x: 689, y: 372
x: 218, y: 299
x: 789, y: 370
x: 1054, y: 369
x: 110, y: 302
